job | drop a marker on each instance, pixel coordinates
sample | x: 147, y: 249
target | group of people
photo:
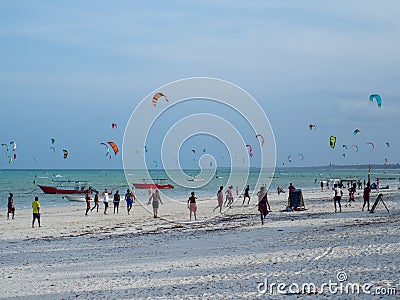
x: 129, y: 198
x: 352, y: 195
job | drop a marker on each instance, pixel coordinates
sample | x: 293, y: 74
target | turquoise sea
x: 22, y: 182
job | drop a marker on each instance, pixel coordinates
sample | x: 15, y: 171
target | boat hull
x: 75, y: 198
x: 152, y: 186
x: 54, y: 190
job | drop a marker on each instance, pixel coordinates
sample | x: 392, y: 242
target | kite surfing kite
x: 261, y: 139
x: 289, y: 158
x: 6, y: 146
x: 113, y: 125
x: 155, y: 163
x: 372, y: 144
x: 65, y: 152
x: 52, y: 148
x: 301, y: 155
x: 344, y: 154
x: 157, y: 96
x: 312, y: 126
x: 377, y: 98
x: 345, y: 147
x: 250, y: 149
x: 357, y: 131
x: 146, y: 149
x: 194, y: 151
x: 355, y: 146
x: 53, y: 141
x: 107, y: 149
x: 387, y: 144
x: 332, y: 141
x: 14, y: 145
x: 114, y: 147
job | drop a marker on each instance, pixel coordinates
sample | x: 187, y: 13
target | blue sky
x: 68, y: 69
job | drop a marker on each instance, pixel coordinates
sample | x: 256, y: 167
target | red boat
x: 65, y: 187
x: 155, y: 184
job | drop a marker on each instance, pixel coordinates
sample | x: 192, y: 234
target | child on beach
x: 36, y: 211
x: 338, y: 196
x: 117, y: 199
x: 87, y: 198
x: 156, y: 201
x: 192, y: 205
x: 129, y: 198
x: 10, y: 206
x: 220, y: 197
x: 96, y: 201
x: 352, y: 191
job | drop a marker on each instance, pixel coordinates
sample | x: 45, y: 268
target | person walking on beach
x: 246, y: 195
x: 117, y: 199
x: 87, y: 198
x: 263, y: 207
x: 192, y: 205
x: 367, y: 192
x: 129, y: 198
x: 261, y: 193
x: 322, y: 186
x: 352, y: 192
x: 36, y: 211
x: 155, y: 199
x: 10, y: 206
x: 229, y: 197
x: 338, y: 196
x: 96, y: 201
x: 220, y: 198
x: 106, y: 198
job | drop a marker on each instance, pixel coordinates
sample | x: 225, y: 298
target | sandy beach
x: 232, y: 256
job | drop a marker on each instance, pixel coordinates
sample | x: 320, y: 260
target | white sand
x: 138, y: 257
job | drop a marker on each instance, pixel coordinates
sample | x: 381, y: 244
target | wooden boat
x: 159, y: 183
x: 65, y: 187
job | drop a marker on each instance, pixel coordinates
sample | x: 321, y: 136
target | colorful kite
x: 332, y: 141
x: 377, y: 98
x: 387, y: 144
x: 113, y: 125
x: 312, y: 126
x: 14, y: 145
x: 372, y: 144
x: 157, y: 96
x: 53, y: 141
x: 345, y: 146
x: 65, y: 152
x: 250, y: 150
x: 357, y: 131
x: 114, y: 147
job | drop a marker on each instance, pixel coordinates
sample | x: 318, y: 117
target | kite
x: 108, y: 149
x: 10, y: 159
x: 261, y: 139
x: 6, y: 146
x: 52, y: 148
x: 194, y: 151
x: 357, y: 131
x: 377, y: 98
x: 53, y: 141
x: 145, y: 149
x: 65, y: 152
x: 155, y: 163
x: 355, y: 146
x: 15, y: 156
x: 15, y: 145
x: 301, y: 155
x: 114, y: 147
x: 344, y: 154
x: 204, y: 150
x: 387, y: 144
x: 372, y: 144
x: 250, y: 149
x: 113, y: 125
x: 345, y: 146
x: 312, y: 126
x: 386, y: 160
x: 332, y: 141
x: 157, y: 96
x: 289, y: 158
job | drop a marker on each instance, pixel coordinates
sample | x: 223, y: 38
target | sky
x: 69, y: 69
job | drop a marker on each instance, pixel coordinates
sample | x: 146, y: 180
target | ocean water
x: 22, y: 183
